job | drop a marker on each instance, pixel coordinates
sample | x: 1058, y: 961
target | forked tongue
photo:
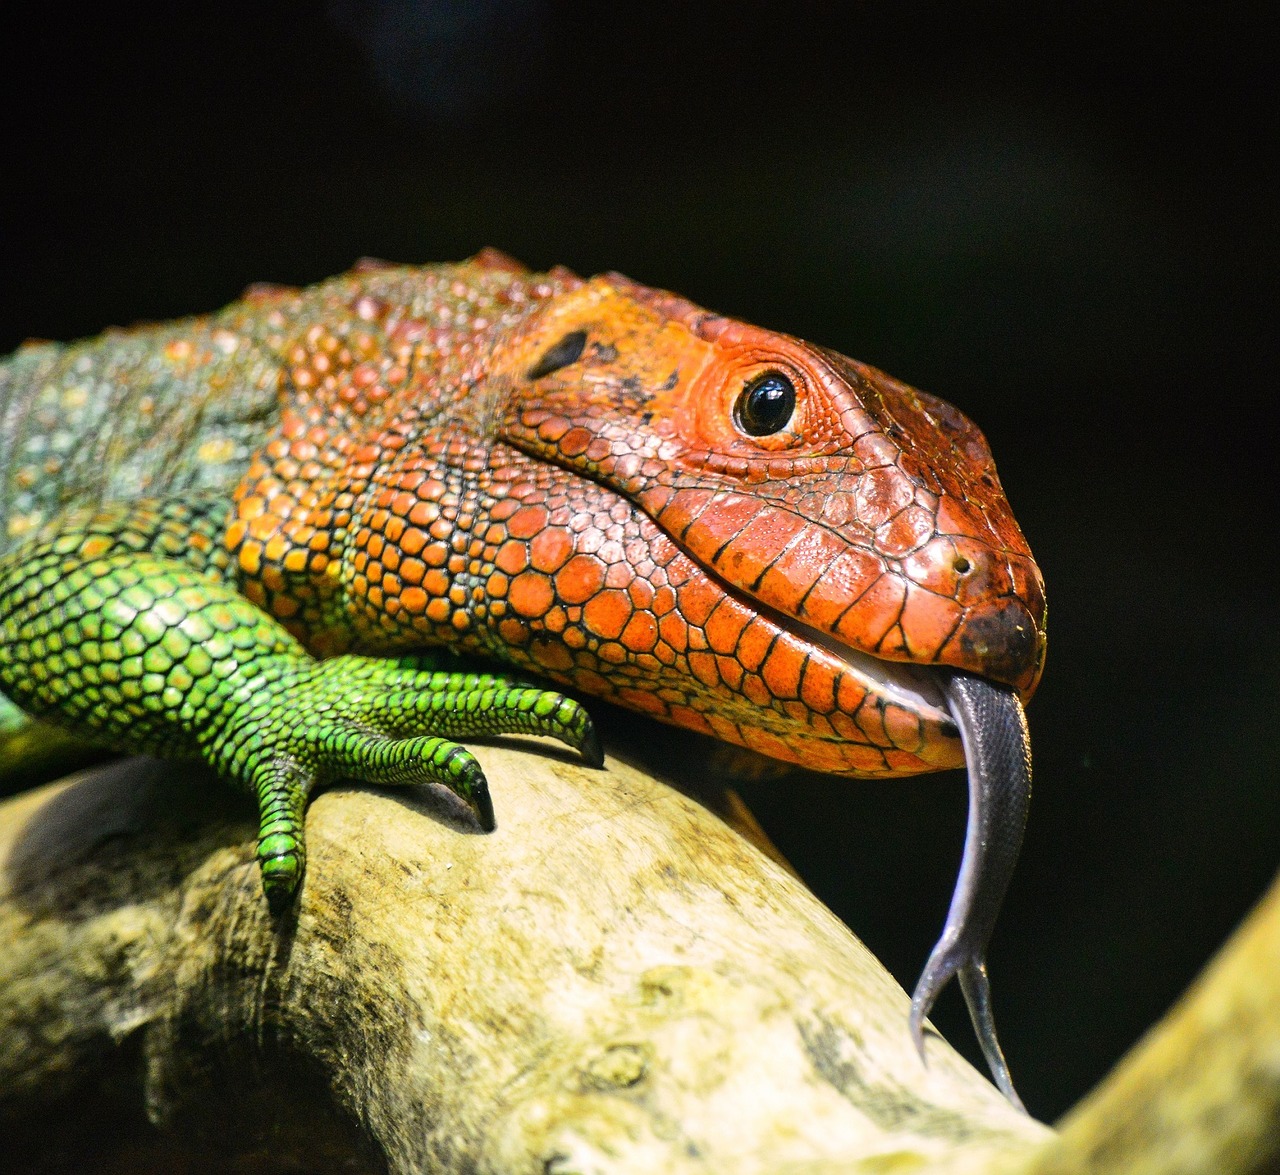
x: 997, y: 752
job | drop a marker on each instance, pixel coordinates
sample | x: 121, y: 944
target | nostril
x: 962, y: 565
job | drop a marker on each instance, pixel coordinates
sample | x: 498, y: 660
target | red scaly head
x: 827, y: 534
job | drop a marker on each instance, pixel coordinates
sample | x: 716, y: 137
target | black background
x: 1060, y: 217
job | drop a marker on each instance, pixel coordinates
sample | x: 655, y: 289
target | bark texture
x: 614, y: 981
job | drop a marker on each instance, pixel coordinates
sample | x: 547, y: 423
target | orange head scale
x: 798, y: 553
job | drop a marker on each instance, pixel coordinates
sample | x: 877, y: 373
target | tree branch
x: 613, y: 981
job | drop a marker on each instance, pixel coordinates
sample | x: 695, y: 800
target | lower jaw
x: 936, y: 751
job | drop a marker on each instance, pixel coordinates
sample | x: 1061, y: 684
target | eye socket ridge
x: 766, y: 404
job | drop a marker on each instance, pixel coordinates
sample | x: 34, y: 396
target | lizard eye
x: 766, y: 404
x: 567, y: 350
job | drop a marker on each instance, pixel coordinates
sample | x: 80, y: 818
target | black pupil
x: 766, y: 404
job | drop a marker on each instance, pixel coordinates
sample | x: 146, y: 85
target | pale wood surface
x: 614, y: 981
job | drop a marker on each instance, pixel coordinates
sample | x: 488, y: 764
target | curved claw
x: 591, y: 749
x: 997, y: 747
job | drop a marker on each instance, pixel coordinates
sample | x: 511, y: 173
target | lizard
x: 247, y: 537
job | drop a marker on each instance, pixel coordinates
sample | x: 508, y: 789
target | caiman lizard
x: 239, y: 537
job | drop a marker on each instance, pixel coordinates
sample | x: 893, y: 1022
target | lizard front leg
x: 148, y: 651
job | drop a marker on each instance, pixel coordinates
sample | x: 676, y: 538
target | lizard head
x: 855, y: 523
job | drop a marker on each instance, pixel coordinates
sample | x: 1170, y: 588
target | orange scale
x: 704, y: 668
x: 821, y: 726
x: 664, y: 599
x: 550, y: 549
x: 436, y: 555
x: 457, y: 594
x: 531, y: 594
x: 527, y: 522
x: 612, y: 652
x: 619, y: 575
x: 436, y: 582
x: 590, y: 681
x: 438, y: 610
x: 869, y: 718
x: 236, y: 533
x: 642, y: 700
x: 754, y: 689
x: 250, y: 558
x: 928, y: 622
x: 903, y: 762
x: 251, y: 507
x: 754, y: 645
x: 781, y: 671
x: 893, y: 643
x: 664, y: 654
x: 844, y: 726
x: 641, y: 632
x: 551, y: 655
x: 550, y: 428
x: 606, y: 613
x: 766, y: 743
x: 725, y: 729
x: 412, y: 541
x: 580, y: 579
x: 724, y: 626
x: 674, y: 631
x: 641, y: 591
x: 903, y: 729
x: 818, y: 687
x: 731, y: 672
x: 865, y: 623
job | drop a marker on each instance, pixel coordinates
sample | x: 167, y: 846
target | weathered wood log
x: 614, y: 981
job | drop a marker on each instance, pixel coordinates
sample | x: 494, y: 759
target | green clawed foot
x: 304, y: 722
x: 142, y: 651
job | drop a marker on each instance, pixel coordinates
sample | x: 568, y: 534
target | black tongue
x: 997, y: 752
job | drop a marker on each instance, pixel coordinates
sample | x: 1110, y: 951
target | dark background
x: 1060, y: 217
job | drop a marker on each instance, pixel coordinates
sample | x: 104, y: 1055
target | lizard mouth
x: 916, y: 688
x: 925, y: 736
